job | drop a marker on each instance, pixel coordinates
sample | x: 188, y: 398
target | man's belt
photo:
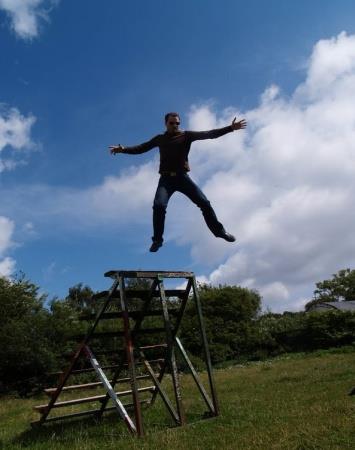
x: 170, y: 174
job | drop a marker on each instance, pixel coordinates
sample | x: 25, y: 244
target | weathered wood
x: 147, y: 274
x: 132, y: 314
x: 148, y: 347
x: 141, y: 294
x: 94, y: 398
x: 138, y: 363
x: 85, y: 413
x: 112, y: 334
x: 73, y: 387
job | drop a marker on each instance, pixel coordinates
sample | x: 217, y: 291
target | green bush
x: 25, y: 352
x: 229, y: 314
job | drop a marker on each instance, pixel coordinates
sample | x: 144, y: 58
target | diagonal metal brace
x: 110, y: 391
x: 159, y: 388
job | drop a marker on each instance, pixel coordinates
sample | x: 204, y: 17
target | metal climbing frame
x: 144, y: 353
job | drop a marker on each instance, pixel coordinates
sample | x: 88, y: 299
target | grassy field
x: 295, y: 402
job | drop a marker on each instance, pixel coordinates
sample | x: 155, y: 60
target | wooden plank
x: 147, y: 274
x: 138, y: 363
x: 77, y: 371
x: 112, y: 334
x: 148, y: 347
x: 84, y: 413
x: 95, y: 398
x: 49, y: 391
x: 132, y: 314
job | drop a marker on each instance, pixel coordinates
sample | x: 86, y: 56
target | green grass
x: 295, y: 402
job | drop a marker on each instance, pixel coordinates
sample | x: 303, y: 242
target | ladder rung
x: 50, y: 391
x: 113, y: 352
x: 141, y: 294
x: 138, y: 363
x: 95, y: 398
x: 132, y: 314
x: 74, y: 372
x: 144, y: 293
x: 148, y: 347
x: 85, y: 413
x: 152, y: 361
x: 111, y: 334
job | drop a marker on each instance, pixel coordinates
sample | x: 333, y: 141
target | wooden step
x: 149, y: 347
x: 85, y: 413
x: 90, y: 369
x: 147, y: 274
x: 112, y: 334
x: 95, y: 398
x: 138, y: 363
x: 50, y: 391
x: 133, y: 314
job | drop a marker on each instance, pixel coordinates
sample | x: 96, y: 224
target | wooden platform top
x: 148, y: 274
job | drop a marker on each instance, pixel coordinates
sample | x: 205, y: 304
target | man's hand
x: 238, y: 125
x: 116, y: 149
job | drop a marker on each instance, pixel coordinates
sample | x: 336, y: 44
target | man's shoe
x: 155, y: 246
x: 227, y: 236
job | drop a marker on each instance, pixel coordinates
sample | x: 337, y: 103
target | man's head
x: 172, y: 122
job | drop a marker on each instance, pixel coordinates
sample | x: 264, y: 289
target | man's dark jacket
x: 175, y: 147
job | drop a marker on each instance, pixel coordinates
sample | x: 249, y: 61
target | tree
x: 339, y: 288
x: 229, y: 314
x: 80, y: 298
x: 25, y: 350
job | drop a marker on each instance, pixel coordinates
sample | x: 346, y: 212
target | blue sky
x: 79, y: 76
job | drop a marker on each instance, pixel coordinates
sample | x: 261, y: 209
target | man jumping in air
x: 174, y: 146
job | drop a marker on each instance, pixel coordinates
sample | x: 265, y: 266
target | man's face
x: 172, y: 124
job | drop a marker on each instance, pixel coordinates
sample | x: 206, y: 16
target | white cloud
x: 27, y: 15
x: 7, y: 264
x: 29, y: 229
x: 15, y: 134
x: 285, y: 186
x: 7, y: 267
x: 15, y: 130
x: 125, y: 199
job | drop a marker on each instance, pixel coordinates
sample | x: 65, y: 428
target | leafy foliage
x: 25, y: 352
x: 341, y: 287
x: 229, y: 312
x: 37, y: 337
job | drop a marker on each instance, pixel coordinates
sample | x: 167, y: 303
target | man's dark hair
x: 171, y: 114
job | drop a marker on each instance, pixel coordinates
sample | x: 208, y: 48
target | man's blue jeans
x: 182, y: 183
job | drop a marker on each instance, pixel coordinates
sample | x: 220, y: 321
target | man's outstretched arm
x: 218, y: 132
x: 134, y: 150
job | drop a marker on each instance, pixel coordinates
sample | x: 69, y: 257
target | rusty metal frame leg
x: 130, y: 357
x: 176, y: 328
x: 159, y: 388
x: 171, y: 353
x: 195, y: 376
x: 205, y: 346
x: 197, y: 380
